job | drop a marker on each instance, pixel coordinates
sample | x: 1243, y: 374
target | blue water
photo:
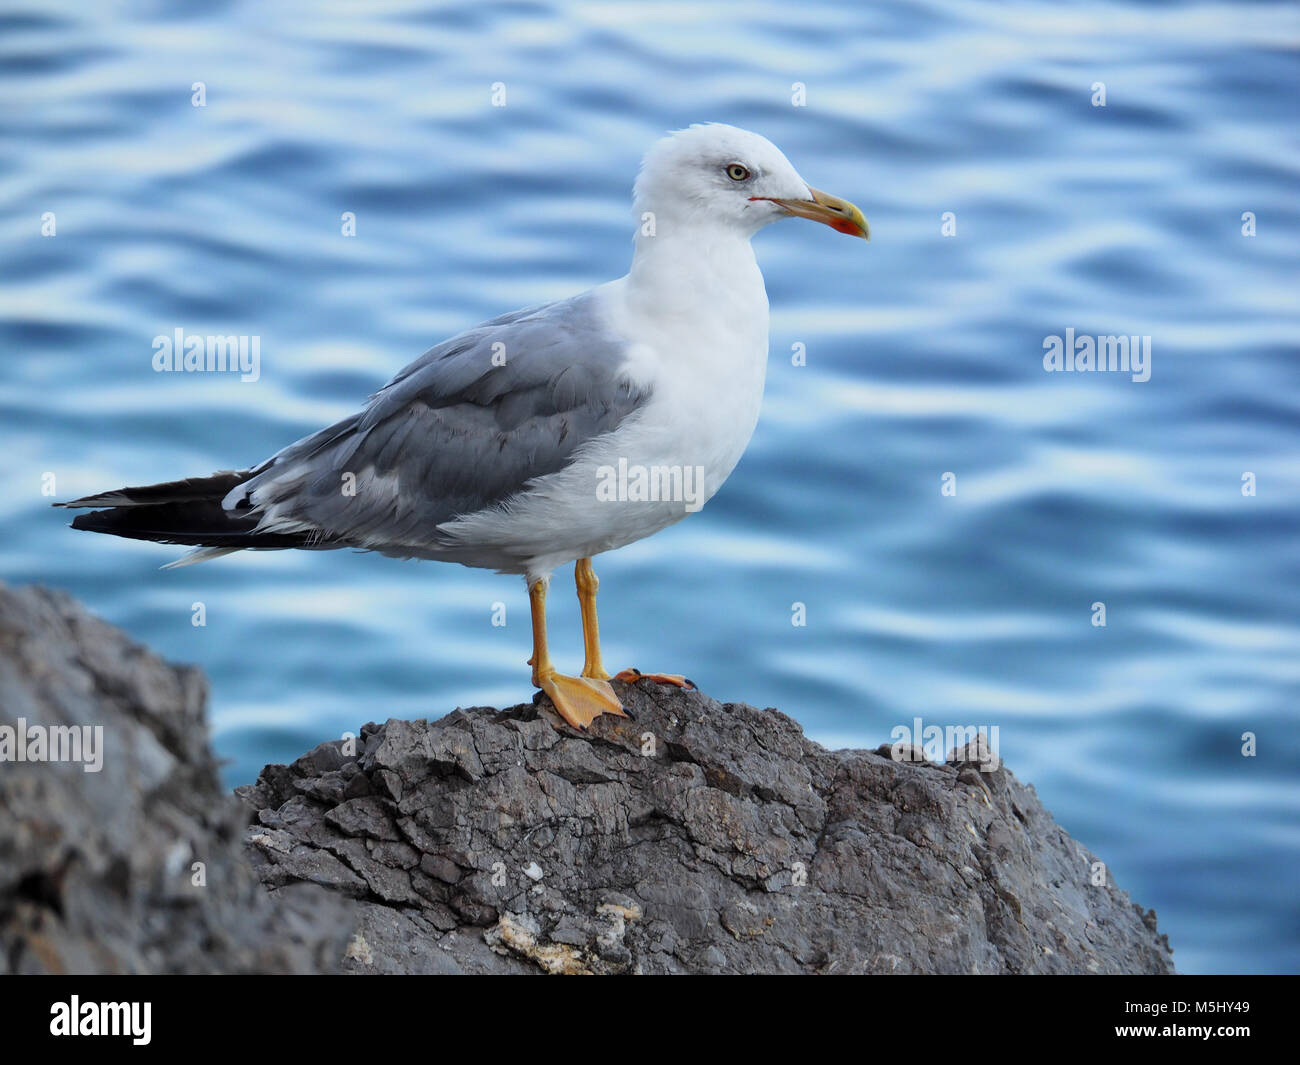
x: 924, y: 357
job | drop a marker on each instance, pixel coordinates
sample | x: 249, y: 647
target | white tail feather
x: 200, y: 554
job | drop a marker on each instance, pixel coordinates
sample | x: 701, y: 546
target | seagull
x: 547, y: 435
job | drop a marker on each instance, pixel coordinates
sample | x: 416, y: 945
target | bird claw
x: 632, y: 675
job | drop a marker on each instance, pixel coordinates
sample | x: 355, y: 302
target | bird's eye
x: 737, y: 172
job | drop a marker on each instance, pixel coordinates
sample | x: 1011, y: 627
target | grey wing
x: 463, y: 428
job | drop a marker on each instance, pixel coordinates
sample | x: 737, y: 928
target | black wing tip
x: 186, y: 490
x: 97, y: 502
x: 87, y: 522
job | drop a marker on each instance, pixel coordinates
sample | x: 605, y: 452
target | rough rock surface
x: 699, y: 837
x: 97, y: 869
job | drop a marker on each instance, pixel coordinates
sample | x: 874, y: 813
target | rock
x: 695, y: 837
x: 137, y: 867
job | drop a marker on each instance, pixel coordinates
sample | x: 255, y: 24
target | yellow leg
x: 587, y: 581
x: 579, y: 700
x: 541, y: 660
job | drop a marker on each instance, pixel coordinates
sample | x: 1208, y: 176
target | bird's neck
x: 677, y: 271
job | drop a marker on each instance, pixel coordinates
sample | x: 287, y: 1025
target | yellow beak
x: 830, y: 210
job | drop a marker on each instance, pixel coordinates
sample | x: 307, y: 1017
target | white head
x: 711, y: 176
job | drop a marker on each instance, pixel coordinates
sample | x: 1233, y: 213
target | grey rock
x: 98, y: 869
x: 697, y: 837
